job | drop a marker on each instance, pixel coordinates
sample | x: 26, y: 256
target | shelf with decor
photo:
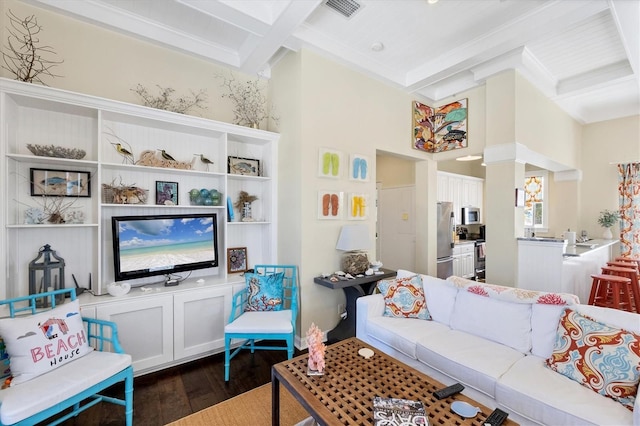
x: 54, y: 121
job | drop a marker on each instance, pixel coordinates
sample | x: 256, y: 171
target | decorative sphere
x: 198, y: 201
x: 193, y: 194
x: 204, y: 193
x: 208, y: 201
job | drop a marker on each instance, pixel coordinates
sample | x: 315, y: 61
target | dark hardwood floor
x: 168, y: 395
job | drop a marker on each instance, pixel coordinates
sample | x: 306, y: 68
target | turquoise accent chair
x: 268, y: 325
x: 75, y: 385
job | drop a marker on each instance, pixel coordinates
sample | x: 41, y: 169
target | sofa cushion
x: 602, y: 358
x: 471, y: 360
x: 401, y: 334
x: 47, y: 390
x: 531, y: 390
x: 442, y: 297
x: 43, y: 342
x: 502, y: 322
x: 404, y: 298
x: 544, y: 325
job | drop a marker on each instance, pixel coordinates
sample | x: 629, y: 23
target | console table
x: 353, y: 288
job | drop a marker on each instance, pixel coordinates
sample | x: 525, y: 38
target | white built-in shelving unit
x: 33, y: 114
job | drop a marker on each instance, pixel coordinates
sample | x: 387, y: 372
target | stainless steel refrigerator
x: 446, y: 228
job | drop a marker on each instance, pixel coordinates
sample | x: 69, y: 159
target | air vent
x: 344, y: 7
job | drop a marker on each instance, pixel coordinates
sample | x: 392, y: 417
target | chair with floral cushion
x: 59, y: 362
x: 266, y: 309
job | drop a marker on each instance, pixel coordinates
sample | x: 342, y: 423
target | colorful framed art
x: 440, y: 129
x: 237, y: 259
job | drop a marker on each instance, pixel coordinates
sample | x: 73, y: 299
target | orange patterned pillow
x: 603, y: 358
x: 404, y: 298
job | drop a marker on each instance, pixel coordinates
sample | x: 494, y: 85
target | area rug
x: 250, y: 408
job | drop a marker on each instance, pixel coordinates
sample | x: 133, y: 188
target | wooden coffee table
x: 344, y: 394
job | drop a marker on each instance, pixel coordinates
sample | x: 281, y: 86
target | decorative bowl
x: 56, y: 151
x: 118, y: 289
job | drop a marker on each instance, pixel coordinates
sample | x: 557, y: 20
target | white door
x: 397, y: 228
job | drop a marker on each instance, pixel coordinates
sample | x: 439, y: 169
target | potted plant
x: 607, y: 219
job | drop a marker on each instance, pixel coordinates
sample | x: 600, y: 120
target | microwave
x: 470, y: 216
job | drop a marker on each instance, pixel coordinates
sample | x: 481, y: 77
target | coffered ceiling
x: 583, y: 54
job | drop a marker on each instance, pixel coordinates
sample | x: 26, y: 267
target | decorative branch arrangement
x: 249, y: 98
x: 26, y: 58
x: 165, y: 100
x: 244, y: 197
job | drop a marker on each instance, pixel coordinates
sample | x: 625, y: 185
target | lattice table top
x: 344, y: 394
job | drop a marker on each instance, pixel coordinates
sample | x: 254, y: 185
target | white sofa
x: 496, y: 349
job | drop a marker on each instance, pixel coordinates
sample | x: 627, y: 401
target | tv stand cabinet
x: 167, y: 324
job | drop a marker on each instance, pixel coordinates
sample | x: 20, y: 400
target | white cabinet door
x: 200, y: 317
x: 145, y: 328
x: 467, y: 266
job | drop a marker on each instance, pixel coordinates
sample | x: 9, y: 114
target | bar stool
x: 623, y: 264
x: 611, y: 291
x: 632, y: 274
x: 633, y: 260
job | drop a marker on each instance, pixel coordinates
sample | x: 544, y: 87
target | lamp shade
x: 354, y: 237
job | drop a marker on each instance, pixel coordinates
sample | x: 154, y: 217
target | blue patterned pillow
x: 404, y: 298
x: 265, y: 292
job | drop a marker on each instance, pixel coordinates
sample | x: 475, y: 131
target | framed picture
x: 166, y: 193
x: 237, y: 259
x: 330, y: 163
x: 441, y: 128
x: 65, y: 183
x: 358, y: 206
x: 243, y: 166
x: 359, y: 166
x: 330, y: 205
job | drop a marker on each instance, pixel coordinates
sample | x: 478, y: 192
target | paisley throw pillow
x: 404, y: 298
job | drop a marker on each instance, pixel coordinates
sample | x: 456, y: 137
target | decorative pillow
x: 600, y: 357
x: 43, y: 342
x: 404, y: 298
x: 265, y: 292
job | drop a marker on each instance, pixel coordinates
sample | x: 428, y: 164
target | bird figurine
x: 205, y: 160
x: 166, y: 156
x: 126, y: 154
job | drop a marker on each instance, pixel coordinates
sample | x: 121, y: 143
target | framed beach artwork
x: 243, y: 166
x: 166, y: 193
x: 330, y: 205
x: 64, y: 183
x: 441, y: 128
x: 237, y: 259
x: 358, y: 206
x: 330, y: 163
x: 359, y: 168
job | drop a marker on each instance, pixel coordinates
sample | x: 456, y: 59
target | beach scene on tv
x: 163, y: 243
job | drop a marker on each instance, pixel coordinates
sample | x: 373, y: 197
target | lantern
x: 46, y: 275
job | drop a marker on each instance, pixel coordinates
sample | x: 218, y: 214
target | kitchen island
x: 548, y: 264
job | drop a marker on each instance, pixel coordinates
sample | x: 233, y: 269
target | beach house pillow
x: 603, y: 358
x: 404, y: 298
x: 265, y: 291
x: 43, y: 342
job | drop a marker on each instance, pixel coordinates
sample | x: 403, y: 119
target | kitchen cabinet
x: 461, y: 191
x: 463, y: 260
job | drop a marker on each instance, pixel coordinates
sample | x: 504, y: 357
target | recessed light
x: 377, y: 46
x: 432, y: 1
x: 469, y: 158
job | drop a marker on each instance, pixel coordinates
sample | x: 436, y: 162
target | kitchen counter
x: 567, y: 269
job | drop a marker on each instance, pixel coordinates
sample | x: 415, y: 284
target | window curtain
x: 629, y: 194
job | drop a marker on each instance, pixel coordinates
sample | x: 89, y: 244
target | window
x: 535, y: 210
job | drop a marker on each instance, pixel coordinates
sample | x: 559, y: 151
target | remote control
x: 496, y: 418
x: 448, y: 391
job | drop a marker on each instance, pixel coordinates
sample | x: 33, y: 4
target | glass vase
x: 246, y: 212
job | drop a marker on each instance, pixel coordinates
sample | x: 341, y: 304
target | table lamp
x: 353, y: 240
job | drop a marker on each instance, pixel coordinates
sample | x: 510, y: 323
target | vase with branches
x: 249, y: 100
x: 243, y: 204
x: 25, y: 57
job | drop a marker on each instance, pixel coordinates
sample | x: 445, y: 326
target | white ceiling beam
x: 136, y: 26
x: 626, y: 15
x: 593, y: 79
x: 231, y: 15
x: 550, y: 17
x: 257, y: 51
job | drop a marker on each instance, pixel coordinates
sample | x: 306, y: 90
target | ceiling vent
x: 344, y: 7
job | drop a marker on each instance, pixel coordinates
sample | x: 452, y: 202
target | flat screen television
x: 145, y: 246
